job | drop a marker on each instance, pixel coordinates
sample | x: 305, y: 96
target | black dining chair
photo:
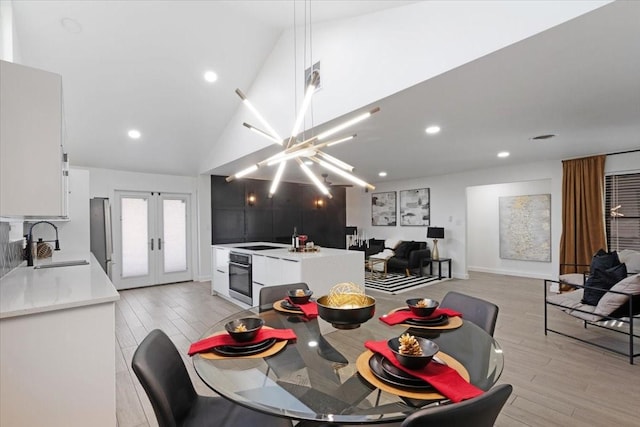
x: 161, y: 371
x: 480, y: 411
x: 271, y: 294
x: 482, y: 313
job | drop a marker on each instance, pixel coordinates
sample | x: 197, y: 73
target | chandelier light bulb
x: 271, y: 134
x: 276, y: 179
x: 346, y: 175
x: 314, y: 179
x: 347, y: 124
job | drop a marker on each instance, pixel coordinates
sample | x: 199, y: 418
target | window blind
x: 622, y: 210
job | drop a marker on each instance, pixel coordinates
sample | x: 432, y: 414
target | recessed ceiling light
x: 432, y: 130
x: 210, y: 76
x: 543, y: 137
x: 134, y: 134
x: 383, y: 174
x: 308, y: 162
x: 503, y: 154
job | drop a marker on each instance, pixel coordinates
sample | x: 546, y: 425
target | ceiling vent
x: 542, y: 137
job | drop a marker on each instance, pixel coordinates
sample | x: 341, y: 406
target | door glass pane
x: 135, y: 250
x: 174, y: 244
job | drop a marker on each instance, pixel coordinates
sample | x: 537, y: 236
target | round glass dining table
x: 316, y: 378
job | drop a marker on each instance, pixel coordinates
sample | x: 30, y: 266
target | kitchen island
x: 276, y: 265
x: 57, y: 346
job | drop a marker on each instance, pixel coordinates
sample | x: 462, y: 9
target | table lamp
x: 435, y: 233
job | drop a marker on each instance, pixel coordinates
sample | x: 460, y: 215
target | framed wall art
x: 525, y: 227
x: 383, y: 208
x: 415, y: 207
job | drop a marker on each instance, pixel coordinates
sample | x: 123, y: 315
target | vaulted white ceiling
x: 140, y: 64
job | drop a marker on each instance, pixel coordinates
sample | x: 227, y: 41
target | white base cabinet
x: 58, y: 368
x: 321, y: 270
x: 220, y: 276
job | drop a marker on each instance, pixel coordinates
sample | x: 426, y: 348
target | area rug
x: 397, y: 283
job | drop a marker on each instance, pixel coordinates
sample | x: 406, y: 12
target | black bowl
x: 425, y: 311
x: 429, y: 349
x: 253, y: 325
x: 299, y: 299
x: 346, y: 317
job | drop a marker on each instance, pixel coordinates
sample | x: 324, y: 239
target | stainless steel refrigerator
x: 100, y: 228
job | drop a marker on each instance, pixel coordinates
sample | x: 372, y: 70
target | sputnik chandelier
x: 296, y: 150
x: 310, y: 148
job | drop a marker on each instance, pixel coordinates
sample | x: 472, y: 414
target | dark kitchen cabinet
x: 237, y: 219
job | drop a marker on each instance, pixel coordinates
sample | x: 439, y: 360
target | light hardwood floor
x: 557, y: 381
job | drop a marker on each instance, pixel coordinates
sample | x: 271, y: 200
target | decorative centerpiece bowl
x: 243, y: 330
x: 346, y: 311
x: 429, y: 349
x: 422, y: 307
x: 299, y: 296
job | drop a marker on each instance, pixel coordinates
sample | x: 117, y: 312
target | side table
x: 372, y: 262
x: 439, y: 261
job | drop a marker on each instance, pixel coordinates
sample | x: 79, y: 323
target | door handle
x: 159, y: 243
x: 151, y: 244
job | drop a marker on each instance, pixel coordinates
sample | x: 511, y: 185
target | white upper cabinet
x: 32, y: 181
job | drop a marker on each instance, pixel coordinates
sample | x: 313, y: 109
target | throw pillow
x: 391, y: 243
x: 631, y: 258
x: 403, y: 249
x: 603, y: 260
x: 601, y: 281
x: 610, y: 301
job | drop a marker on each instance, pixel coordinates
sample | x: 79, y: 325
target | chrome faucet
x: 29, y: 236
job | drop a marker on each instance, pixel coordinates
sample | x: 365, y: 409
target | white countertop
x: 26, y: 290
x: 283, y: 251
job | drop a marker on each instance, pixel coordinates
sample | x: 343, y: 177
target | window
x: 622, y: 204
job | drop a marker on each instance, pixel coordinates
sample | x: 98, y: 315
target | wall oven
x: 240, y: 283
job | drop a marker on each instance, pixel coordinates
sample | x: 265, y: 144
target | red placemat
x: 310, y: 309
x: 443, y: 378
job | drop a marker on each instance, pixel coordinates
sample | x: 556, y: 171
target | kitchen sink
x: 62, y: 264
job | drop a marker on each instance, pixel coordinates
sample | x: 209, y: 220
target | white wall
x: 450, y: 209
x: 370, y: 57
x: 105, y: 182
x: 483, y: 248
x: 449, y: 206
x: 204, y: 235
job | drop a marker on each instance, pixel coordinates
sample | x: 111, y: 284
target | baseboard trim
x: 525, y: 274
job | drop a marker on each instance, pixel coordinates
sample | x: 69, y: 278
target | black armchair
x: 407, y: 257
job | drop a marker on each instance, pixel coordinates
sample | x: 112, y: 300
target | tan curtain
x: 583, y: 226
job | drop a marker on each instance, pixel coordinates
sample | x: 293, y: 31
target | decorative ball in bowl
x: 422, y: 307
x: 413, y: 352
x: 299, y: 296
x: 243, y: 330
x: 348, y: 311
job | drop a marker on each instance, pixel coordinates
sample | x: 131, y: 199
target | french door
x: 155, y: 239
